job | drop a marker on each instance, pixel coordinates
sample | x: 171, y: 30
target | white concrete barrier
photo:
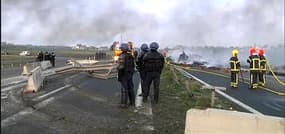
x: 216, y: 121
x: 45, y: 65
x: 35, y: 80
x: 26, y: 70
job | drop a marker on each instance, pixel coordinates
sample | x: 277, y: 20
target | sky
x: 168, y: 22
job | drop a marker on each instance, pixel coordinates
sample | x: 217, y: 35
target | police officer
x: 153, y: 64
x: 140, y: 65
x: 40, y: 56
x: 46, y: 56
x: 235, y: 68
x: 52, y: 59
x: 262, y: 67
x: 125, y: 76
x: 253, y: 61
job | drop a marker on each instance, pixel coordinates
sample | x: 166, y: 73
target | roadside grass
x: 176, y: 98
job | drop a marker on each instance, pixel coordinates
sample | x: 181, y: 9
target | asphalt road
x: 259, y: 99
x: 16, y: 71
x: 83, y: 104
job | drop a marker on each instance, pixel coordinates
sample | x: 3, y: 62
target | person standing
x: 140, y: 65
x: 46, y: 56
x: 52, y: 58
x: 125, y: 76
x: 235, y: 68
x: 253, y: 61
x: 153, y: 64
x: 262, y: 67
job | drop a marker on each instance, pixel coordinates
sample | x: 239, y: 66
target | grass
x: 175, y: 99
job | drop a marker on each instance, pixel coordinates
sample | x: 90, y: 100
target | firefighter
x: 262, y: 67
x: 235, y: 68
x: 153, y: 64
x: 253, y: 61
x: 125, y: 76
x: 140, y: 65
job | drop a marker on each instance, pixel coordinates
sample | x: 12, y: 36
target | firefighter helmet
x: 252, y: 51
x: 235, y: 52
x: 262, y: 52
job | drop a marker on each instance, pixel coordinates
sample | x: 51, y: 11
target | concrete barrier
x: 216, y: 121
x: 45, y: 65
x: 35, y: 80
x: 26, y: 70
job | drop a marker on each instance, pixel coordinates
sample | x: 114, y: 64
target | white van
x: 25, y: 53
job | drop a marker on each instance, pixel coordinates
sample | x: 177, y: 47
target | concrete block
x: 216, y: 121
x: 34, y: 81
x: 26, y: 70
x: 45, y: 65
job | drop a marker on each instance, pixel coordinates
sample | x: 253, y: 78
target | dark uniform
x: 125, y: 76
x: 262, y: 70
x: 52, y: 59
x: 140, y: 67
x: 253, y: 61
x: 153, y: 64
x: 235, y: 69
x: 46, y: 56
x: 40, y: 56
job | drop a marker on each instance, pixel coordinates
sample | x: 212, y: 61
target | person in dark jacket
x: 125, y: 76
x: 235, y: 68
x: 52, y: 59
x: 140, y: 65
x: 40, y: 56
x: 153, y: 64
x: 262, y: 67
x: 46, y: 56
x: 253, y: 61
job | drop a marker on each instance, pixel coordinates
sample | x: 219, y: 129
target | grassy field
x: 14, y: 60
x: 175, y: 99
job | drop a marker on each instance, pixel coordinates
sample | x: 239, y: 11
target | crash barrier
x: 35, y: 80
x: 216, y: 121
x: 82, y: 62
x: 45, y: 65
x: 103, y: 71
x: 274, y: 75
x: 29, y: 66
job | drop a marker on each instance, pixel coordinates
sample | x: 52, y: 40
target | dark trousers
x: 155, y: 78
x: 234, y: 78
x: 143, y: 76
x: 253, y: 79
x: 127, y: 89
x: 262, y: 77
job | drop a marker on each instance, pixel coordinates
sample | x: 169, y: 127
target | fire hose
x: 274, y: 75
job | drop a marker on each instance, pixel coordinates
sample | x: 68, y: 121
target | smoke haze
x: 175, y: 22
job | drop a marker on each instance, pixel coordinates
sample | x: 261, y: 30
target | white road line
x: 139, y: 98
x: 52, y: 92
x: 15, y: 117
x: 224, y: 94
x: 13, y: 87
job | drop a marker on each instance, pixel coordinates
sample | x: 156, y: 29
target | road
x: 16, y: 71
x: 261, y: 100
x: 70, y: 103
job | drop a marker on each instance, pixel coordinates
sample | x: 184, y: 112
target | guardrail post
x: 213, y: 98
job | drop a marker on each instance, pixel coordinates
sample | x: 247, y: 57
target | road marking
x: 15, y: 117
x: 225, y: 95
x: 264, y: 88
x: 138, y: 102
x: 13, y: 87
x: 50, y: 93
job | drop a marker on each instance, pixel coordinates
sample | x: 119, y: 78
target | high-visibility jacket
x: 254, y: 62
x: 262, y: 66
x: 234, y: 64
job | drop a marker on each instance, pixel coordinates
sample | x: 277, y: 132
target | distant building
x: 79, y: 46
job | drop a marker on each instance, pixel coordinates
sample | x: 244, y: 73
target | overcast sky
x: 169, y: 22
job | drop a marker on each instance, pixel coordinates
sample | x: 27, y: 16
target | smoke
x: 185, y: 22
